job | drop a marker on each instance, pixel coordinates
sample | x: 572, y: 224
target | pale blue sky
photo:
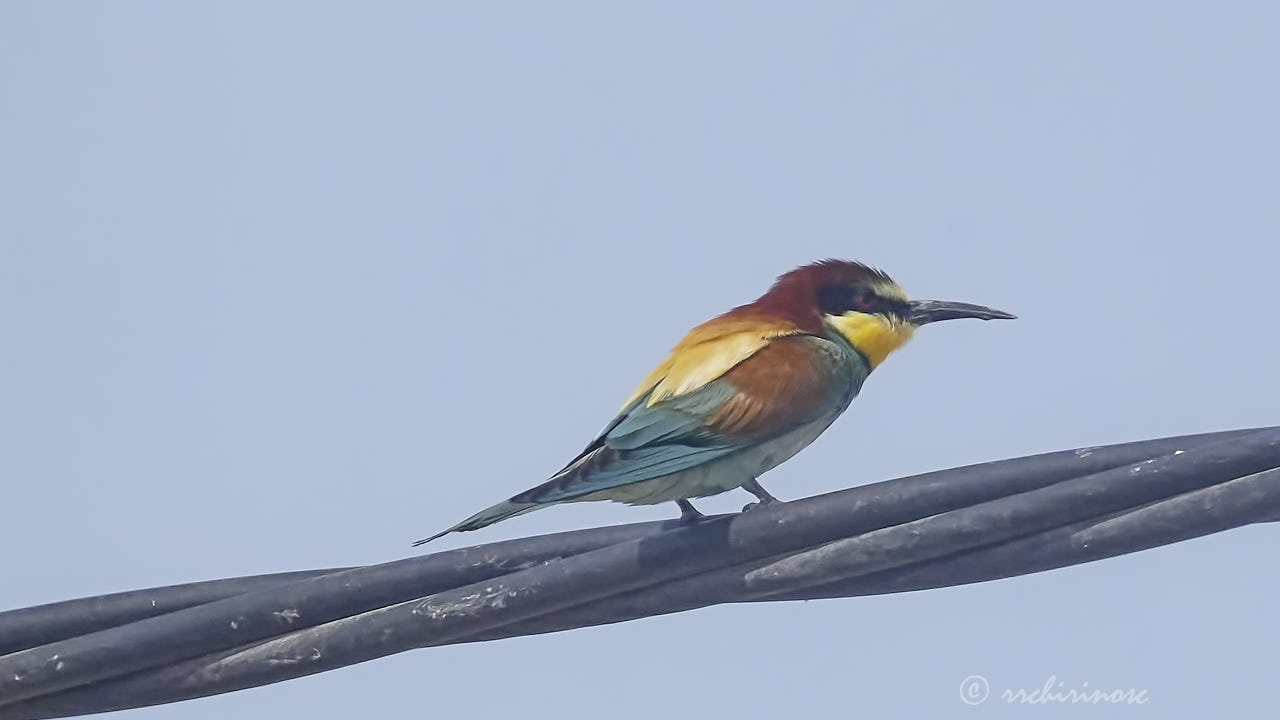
x: 289, y: 285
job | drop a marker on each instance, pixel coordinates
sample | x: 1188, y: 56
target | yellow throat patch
x: 872, y: 335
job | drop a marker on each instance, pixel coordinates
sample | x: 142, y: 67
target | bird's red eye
x: 840, y: 299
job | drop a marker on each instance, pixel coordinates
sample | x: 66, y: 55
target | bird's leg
x: 689, y: 513
x: 764, y: 498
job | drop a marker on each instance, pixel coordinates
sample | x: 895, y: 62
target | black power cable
x: 943, y: 528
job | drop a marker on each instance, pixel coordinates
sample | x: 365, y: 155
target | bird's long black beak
x: 924, y: 312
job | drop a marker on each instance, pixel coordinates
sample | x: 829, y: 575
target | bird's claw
x: 689, y: 513
x: 757, y: 504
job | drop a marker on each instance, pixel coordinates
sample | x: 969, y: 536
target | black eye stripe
x: 835, y: 299
x: 839, y: 299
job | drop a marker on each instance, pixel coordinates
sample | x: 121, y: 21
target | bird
x: 742, y: 393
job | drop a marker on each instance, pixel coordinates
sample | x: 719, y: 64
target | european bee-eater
x: 742, y: 393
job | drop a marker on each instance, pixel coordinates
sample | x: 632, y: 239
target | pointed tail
x: 497, y: 513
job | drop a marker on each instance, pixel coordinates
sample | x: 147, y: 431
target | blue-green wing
x: 643, y: 442
x: 790, y: 382
x: 678, y: 433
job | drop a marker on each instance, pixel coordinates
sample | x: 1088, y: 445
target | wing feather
x: 707, y: 352
x: 780, y: 388
x: 788, y: 381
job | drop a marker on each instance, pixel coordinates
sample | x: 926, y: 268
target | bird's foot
x: 689, y: 513
x: 692, y: 517
x: 762, y: 496
x: 759, y: 504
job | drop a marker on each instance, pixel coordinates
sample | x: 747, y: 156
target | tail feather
x: 497, y: 513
